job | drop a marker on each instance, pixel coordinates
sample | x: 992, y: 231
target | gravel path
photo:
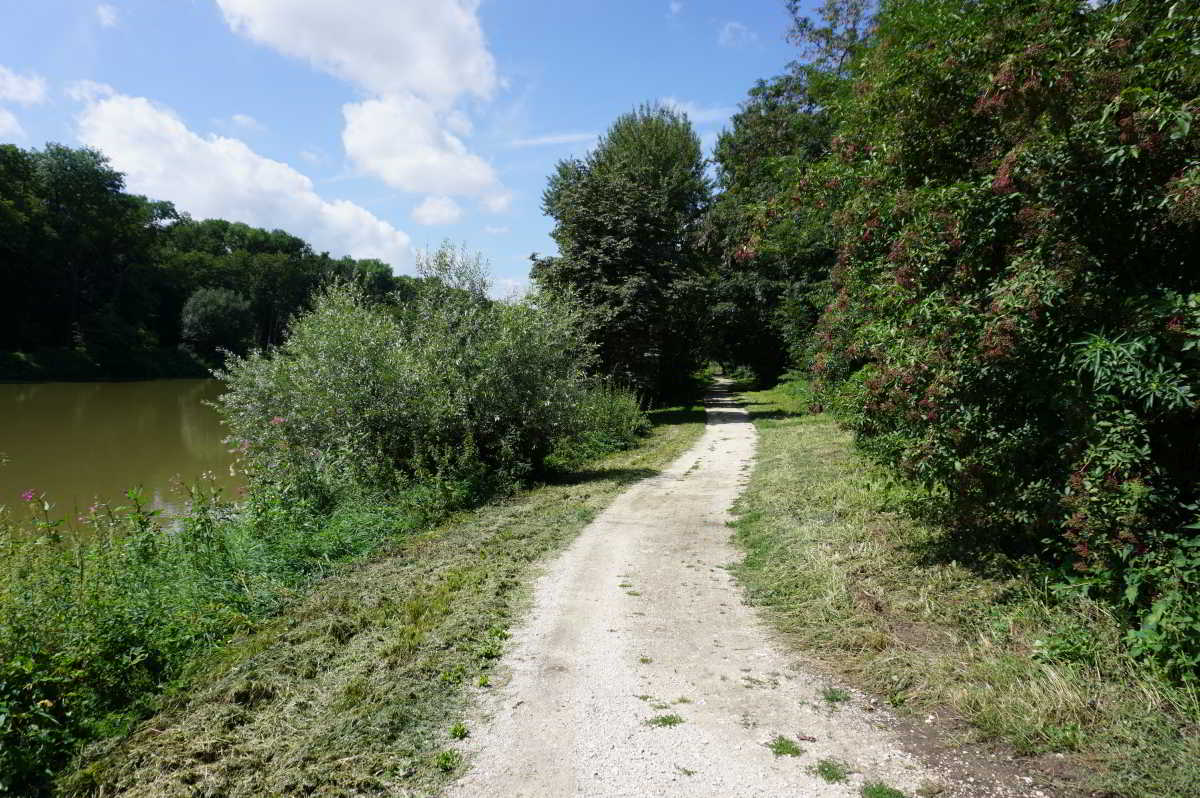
x: 639, y: 619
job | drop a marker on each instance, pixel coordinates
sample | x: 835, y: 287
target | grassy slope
x: 895, y: 608
x: 356, y: 689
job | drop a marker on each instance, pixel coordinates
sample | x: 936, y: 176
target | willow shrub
x: 450, y: 398
x: 1015, y: 307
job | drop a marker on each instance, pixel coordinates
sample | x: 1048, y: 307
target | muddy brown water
x: 79, y: 443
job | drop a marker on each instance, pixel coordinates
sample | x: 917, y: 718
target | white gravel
x: 592, y: 662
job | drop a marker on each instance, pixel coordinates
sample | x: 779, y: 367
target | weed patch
x: 660, y: 721
x: 783, y: 746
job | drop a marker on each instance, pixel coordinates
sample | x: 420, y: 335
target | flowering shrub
x: 1014, y: 314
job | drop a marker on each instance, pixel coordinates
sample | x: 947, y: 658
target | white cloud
x: 498, y: 202
x: 553, y: 138
x: 15, y: 88
x: 437, y: 210
x: 431, y: 48
x: 735, y: 34
x: 415, y: 60
x: 675, y: 7
x: 89, y: 91
x: 401, y: 140
x: 699, y: 114
x: 10, y: 128
x: 108, y: 15
x: 248, y: 122
x: 495, y: 230
x: 215, y: 176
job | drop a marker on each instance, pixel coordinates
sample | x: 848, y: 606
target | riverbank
x: 362, y: 684
x: 69, y: 365
x: 889, y: 605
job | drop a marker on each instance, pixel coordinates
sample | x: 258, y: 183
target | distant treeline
x: 103, y: 283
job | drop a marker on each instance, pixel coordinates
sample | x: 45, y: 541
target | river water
x: 82, y: 442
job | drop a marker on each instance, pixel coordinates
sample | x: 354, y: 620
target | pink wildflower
x: 29, y: 495
x: 278, y: 420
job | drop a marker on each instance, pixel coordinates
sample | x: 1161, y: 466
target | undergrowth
x: 901, y: 609
x: 358, y: 687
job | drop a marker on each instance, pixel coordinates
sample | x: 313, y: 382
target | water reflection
x: 79, y: 442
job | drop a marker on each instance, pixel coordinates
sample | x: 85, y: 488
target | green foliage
x: 1012, y: 319
x: 625, y: 218
x: 372, y: 420
x: 765, y: 266
x: 97, y: 279
x: 215, y: 319
x: 458, y: 395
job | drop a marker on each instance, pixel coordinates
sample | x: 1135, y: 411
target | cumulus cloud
x: 437, y: 210
x: 108, y: 15
x: 697, y: 113
x: 10, y: 128
x: 432, y: 48
x: 215, y: 176
x: 23, y: 89
x: 552, y: 139
x: 735, y: 34
x: 401, y: 140
x: 416, y: 60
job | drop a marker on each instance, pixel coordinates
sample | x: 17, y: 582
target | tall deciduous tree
x: 626, y: 221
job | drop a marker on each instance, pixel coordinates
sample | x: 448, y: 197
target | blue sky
x: 373, y: 128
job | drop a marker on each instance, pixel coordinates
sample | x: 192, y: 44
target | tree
x: 766, y: 261
x: 215, y: 319
x: 626, y: 218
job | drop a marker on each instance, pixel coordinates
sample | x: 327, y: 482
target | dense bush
x: 455, y: 389
x: 1014, y: 318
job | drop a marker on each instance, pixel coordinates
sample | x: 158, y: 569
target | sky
x: 371, y: 128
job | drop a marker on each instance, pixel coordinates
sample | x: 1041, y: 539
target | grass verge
x: 886, y: 601
x: 358, y: 688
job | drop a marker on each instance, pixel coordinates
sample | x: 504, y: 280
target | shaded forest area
x: 100, y: 283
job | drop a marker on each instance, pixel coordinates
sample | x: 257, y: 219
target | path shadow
x: 623, y: 476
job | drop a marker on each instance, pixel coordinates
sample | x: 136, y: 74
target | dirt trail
x: 639, y: 619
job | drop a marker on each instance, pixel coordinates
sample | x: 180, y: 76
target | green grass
x: 835, y: 695
x: 349, y: 689
x: 893, y: 609
x: 783, y: 746
x: 880, y: 790
x: 833, y: 771
x: 665, y: 721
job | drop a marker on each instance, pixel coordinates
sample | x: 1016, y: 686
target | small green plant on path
x: 831, y: 770
x: 660, y: 721
x: 783, y: 746
x: 878, y: 789
x: 459, y: 731
x: 645, y: 660
x: 835, y: 695
x: 448, y: 761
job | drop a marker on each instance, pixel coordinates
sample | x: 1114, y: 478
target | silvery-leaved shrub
x: 451, y: 391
